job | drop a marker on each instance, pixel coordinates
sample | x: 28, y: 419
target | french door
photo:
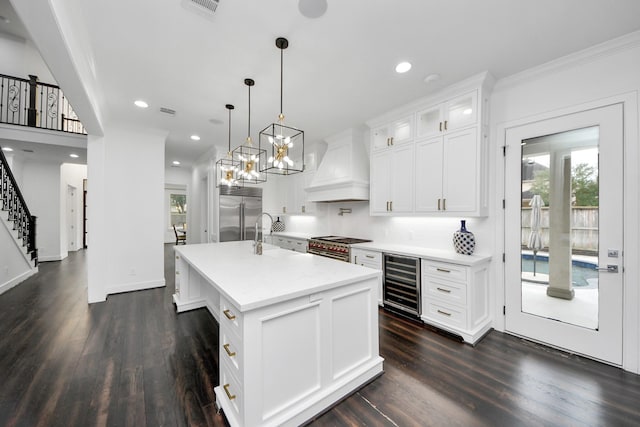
x: 564, y: 232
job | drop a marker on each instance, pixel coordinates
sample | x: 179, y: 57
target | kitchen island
x: 298, y: 332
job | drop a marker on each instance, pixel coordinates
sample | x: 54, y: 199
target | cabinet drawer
x: 299, y: 246
x: 368, y: 259
x: 231, y: 390
x: 446, y: 314
x: 444, y: 270
x: 231, y: 352
x: 449, y: 292
x: 230, y: 318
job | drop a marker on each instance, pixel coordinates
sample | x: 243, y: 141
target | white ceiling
x: 338, y: 69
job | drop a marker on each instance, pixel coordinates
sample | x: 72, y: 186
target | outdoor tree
x: 584, y: 184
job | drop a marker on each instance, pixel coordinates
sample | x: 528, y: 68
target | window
x: 178, y: 210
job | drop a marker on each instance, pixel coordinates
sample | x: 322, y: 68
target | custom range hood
x: 343, y: 174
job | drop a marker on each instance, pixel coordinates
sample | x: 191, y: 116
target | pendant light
x: 284, y: 144
x: 248, y: 156
x: 226, y: 167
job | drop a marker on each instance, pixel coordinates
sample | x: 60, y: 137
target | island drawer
x: 231, y: 352
x: 445, y: 290
x: 231, y: 390
x: 230, y: 318
x: 444, y: 270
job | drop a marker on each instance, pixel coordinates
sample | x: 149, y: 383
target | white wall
x: 202, y: 198
x: 21, y: 58
x: 596, y: 77
x: 41, y: 191
x: 125, y: 211
x: 14, y: 265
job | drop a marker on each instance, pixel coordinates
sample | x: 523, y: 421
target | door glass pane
x: 559, y: 226
x: 178, y: 207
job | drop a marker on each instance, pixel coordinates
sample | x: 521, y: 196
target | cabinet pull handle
x: 229, y: 352
x: 391, y: 140
x: 444, y: 312
x: 226, y: 390
x: 229, y: 315
x: 355, y: 259
x: 388, y: 142
x: 387, y: 206
x: 303, y: 209
x: 443, y: 270
x: 445, y: 125
x: 391, y: 205
x: 370, y: 256
x: 444, y: 204
x: 440, y: 126
x: 177, y: 257
x: 177, y: 273
x: 446, y: 291
x: 438, y: 204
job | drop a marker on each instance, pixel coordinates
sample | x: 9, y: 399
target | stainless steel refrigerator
x: 240, y: 207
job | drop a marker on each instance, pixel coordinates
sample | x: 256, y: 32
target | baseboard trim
x: 137, y: 286
x: 48, y: 258
x: 17, y: 280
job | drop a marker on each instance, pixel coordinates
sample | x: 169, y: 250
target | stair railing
x: 11, y: 200
x: 28, y: 102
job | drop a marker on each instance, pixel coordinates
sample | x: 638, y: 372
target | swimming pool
x: 583, y: 273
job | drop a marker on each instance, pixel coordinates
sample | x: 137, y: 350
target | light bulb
x: 289, y: 161
x: 279, y: 136
x: 287, y: 140
x: 270, y: 140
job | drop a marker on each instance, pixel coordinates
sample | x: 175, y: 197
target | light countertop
x: 291, y: 234
x: 422, y: 252
x: 251, y: 281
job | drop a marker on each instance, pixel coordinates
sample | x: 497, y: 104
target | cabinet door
x: 273, y: 198
x: 428, y: 166
x: 460, y: 173
x: 402, y: 179
x: 305, y: 205
x: 402, y: 131
x: 429, y: 122
x: 461, y: 112
x: 395, y: 133
x: 380, y: 182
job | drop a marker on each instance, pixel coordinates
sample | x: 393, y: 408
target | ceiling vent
x: 168, y: 111
x: 204, y: 7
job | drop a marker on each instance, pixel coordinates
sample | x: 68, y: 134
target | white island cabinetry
x: 290, y: 345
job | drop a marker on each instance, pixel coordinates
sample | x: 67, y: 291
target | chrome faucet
x: 257, y: 243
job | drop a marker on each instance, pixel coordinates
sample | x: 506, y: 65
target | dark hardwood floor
x: 132, y: 361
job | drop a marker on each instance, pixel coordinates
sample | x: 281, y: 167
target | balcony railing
x: 27, y: 102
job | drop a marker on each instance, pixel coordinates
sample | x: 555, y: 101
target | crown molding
x: 585, y: 56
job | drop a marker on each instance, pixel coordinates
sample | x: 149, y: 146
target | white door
x: 563, y: 232
x: 72, y: 219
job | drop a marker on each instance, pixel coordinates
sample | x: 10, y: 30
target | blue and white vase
x: 464, y: 241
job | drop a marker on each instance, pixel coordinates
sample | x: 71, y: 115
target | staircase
x: 15, y: 214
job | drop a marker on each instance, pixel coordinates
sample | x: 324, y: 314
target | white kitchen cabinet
x: 392, y: 181
x: 457, y: 113
x: 456, y: 298
x: 295, y: 200
x: 395, y: 133
x: 371, y: 259
x: 447, y: 173
x: 291, y: 243
x: 449, y: 151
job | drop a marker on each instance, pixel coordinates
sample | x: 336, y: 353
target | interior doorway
x: 564, y: 232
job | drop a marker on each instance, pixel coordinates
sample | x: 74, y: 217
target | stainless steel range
x: 335, y: 247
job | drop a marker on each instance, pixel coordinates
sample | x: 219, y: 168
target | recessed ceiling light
x: 403, y: 67
x: 73, y: 155
x: 140, y: 103
x: 467, y: 111
x: 312, y: 8
x: 431, y: 78
x: 175, y: 162
x: 7, y: 149
x: 195, y: 137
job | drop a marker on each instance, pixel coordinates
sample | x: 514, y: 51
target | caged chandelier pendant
x: 227, y: 168
x: 283, y: 144
x: 248, y: 156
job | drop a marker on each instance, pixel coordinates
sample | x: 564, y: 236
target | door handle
x: 610, y: 268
